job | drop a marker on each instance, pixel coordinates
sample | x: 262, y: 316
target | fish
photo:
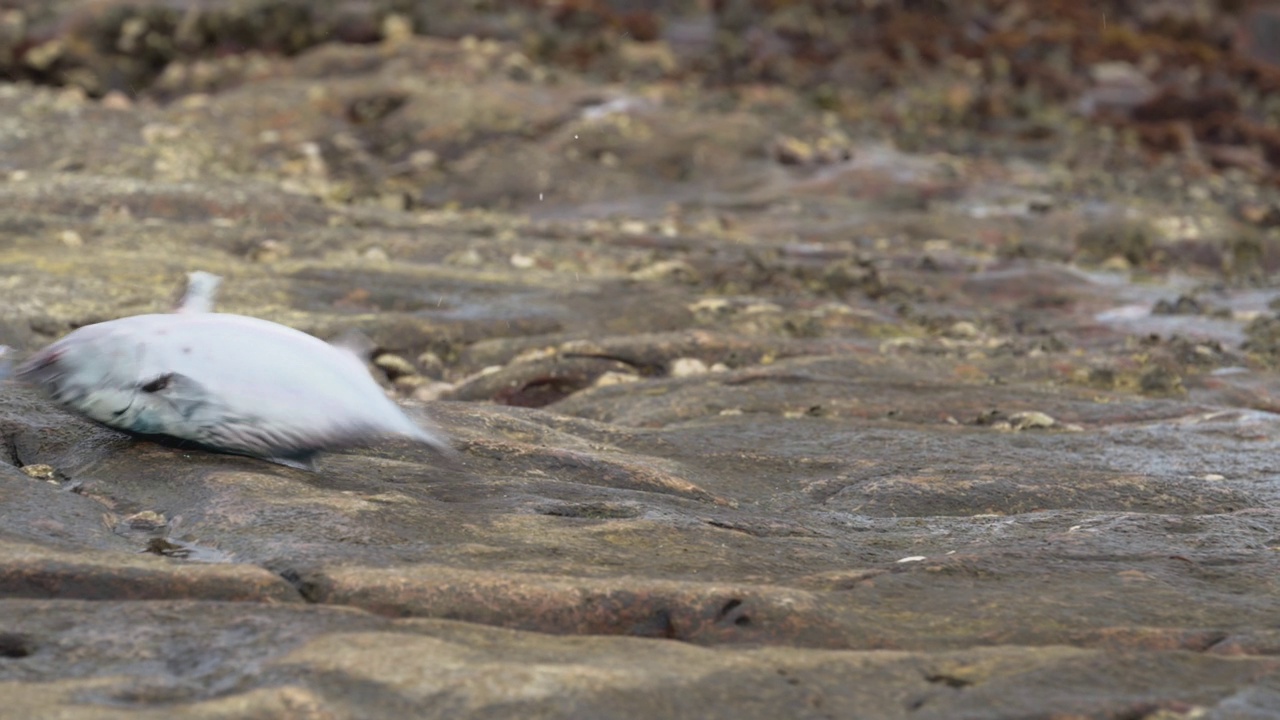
x: 223, y: 382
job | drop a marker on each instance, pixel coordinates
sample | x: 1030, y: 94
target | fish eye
x: 158, y: 384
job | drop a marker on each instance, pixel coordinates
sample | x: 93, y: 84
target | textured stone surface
x: 225, y: 660
x: 884, y: 435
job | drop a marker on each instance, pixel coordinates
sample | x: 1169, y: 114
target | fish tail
x: 39, y: 368
x: 437, y: 443
x: 424, y: 431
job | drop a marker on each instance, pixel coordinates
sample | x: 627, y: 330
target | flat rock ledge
x: 771, y: 400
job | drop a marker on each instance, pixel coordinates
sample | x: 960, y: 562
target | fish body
x: 226, y: 382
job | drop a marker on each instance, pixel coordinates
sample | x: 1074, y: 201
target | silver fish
x: 226, y: 382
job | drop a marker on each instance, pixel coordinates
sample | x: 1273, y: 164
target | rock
x: 684, y: 367
x: 724, y: 405
x: 395, y: 366
x: 282, y: 661
x: 1031, y: 420
x: 430, y: 364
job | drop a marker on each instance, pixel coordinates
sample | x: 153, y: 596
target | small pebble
x: 268, y: 251
x: 41, y: 471
x: 431, y: 390
x: 667, y: 270
x: 408, y: 383
x: 396, y: 29
x: 430, y: 365
x: 1031, y: 420
x: 394, y: 365
x: 684, y: 367
x: 615, y: 378
x: 424, y: 159
x: 146, y: 520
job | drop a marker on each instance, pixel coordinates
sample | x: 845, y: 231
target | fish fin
x: 191, y: 401
x: 201, y: 289
x: 297, y: 462
x: 356, y: 343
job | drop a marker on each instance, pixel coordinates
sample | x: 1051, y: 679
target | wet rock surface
x: 759, y: 415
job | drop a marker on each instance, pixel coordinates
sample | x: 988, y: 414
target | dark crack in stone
x: 804, y: 359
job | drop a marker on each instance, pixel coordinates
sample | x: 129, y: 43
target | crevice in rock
x: 305, y: 588
x: 732, y: 612
x: 15, y: 646
x: 11, y: 452
x: 1212, y: 641
x: 950, y: 681
x: 645, y: 369
x: 658, y: 625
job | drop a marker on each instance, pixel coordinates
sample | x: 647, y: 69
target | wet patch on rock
x: 758, y: 414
